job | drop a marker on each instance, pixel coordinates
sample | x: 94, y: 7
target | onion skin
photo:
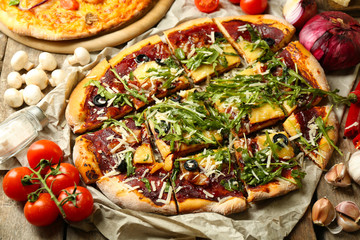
x: 333, y: 38
x: 298, y: 12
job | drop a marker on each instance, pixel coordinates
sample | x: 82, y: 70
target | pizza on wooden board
x: 176, y: 139
x: 69, y: 19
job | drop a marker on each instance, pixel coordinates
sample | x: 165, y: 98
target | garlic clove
x: 350, y: 209
x: 338, y: 176
x: 323, y: 212
x: 347, y: 224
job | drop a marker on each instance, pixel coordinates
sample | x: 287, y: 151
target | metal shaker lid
x: 39, y: 114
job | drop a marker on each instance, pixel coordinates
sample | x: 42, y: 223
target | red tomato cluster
x: 248, y: 6
x: 49, y: 190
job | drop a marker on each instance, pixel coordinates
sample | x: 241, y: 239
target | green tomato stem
x: 53, y: 197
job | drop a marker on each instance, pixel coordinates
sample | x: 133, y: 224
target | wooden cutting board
x: 98, y: 42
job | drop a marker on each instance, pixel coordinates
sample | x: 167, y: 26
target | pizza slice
x: 268, y: 165
x: 208, y: 182
x: 149, y: 69
x: 129, y: 81
x: 303, y: 65
x: 202, y: 48
x: 181, y: 125
x: 95, y: 99
x: 315, y: 130
x: 254, y: 35
x: 120, y: 160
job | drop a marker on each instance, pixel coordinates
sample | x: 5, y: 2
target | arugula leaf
x: 14, y: 2
x: 130, y: 169
x: 132, y: 92
x: 147, y: 183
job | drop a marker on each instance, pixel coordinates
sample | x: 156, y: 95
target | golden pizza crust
x: 119, y: 193
x: 269, y: 20
x: 270, y: 190
x: 85, y: 160
x: 50, y: 21
x: 226, y: 206
x: 325, y: 150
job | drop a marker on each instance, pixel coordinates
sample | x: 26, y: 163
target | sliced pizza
x: 208, y: 182
x: 254, y: 35
x: 120, y: 160
x: 94, y: 100
x: 202, y: 48
x: 181, y: 125
x: 315, y: 130
x: 268, y: 165
x: 129, y: 81
x: 149, y: 69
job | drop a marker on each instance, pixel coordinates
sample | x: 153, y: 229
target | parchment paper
x: 269, y: 219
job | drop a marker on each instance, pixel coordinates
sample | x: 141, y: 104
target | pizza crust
x: 270, y: 190
x: 85, y: 161
x: 226, y: 206
x: 120, y: 194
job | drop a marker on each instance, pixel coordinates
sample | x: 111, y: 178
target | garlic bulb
x: 354, y: 167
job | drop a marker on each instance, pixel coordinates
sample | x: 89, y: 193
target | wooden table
x: 13, y: 224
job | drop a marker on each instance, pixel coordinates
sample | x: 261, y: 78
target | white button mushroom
x: 15, y: 80
x: 37, y: 77
x: 13, y: 98
x: 47, y: 61
x: 32, y: 94
x: 81, y: 55
x: 57, y: 76
x: 20, y: 60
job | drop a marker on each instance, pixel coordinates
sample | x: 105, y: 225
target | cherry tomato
x: 235, y: 1
x: 253, y: 6
x: 207, y: 6
x: 42, y: 212
x: 83, y: 200
x: 13, y: 186
x: 44, y: 149
x: 67, y: 176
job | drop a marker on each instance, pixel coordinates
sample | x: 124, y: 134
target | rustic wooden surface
x: 13, y: 225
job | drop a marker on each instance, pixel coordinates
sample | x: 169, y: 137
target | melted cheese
x: 141, y: 74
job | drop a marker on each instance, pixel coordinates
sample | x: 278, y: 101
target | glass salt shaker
x: 20, y: 129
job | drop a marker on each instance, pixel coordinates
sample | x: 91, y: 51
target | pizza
x: 69, y: 19
x: 185, y: 122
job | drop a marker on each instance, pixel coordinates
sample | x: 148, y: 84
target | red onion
x: 30, y: 4
x: 298, y: 12
x: 333, y: 38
